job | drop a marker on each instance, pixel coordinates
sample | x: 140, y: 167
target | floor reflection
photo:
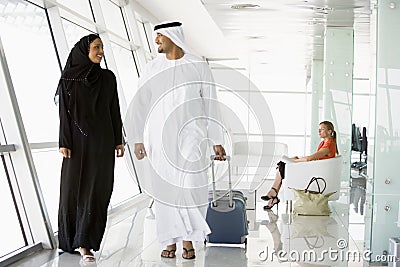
x: 131, y: 240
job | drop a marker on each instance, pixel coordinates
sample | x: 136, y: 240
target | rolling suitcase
x: 226, y: 213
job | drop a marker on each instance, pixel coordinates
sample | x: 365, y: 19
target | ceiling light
x: 255, y: 37
x: 245, y: 6
x: 322, y: 8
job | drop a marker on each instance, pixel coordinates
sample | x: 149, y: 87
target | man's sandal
x: 170, y: 255
x: 186, y: 252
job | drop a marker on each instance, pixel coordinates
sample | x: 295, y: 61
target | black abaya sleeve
x: 65, y: 135
x: 116, y: 115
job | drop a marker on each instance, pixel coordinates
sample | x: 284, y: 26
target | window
x: 113, y: 18
x: 10, y: 231
x: 126, y: 71
x: 143, y: 36
x: 49, y: 176
x: 28, y: 44
x: 80, y: 6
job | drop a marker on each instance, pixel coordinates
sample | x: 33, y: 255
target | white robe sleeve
x: 138, y: 110
x: 212, y: 110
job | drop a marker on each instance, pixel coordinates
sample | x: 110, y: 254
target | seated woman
x: 326, y: 149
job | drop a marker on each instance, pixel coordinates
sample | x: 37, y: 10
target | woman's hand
x: 302, y: 159
x: 120, y: 150
x: 66, y: 152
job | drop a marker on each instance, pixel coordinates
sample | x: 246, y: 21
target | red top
x: 330, y: 144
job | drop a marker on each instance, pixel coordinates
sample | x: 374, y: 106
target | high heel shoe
x: 268, y: 207
x: 266, y: 197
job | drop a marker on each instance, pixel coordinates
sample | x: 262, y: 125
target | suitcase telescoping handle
x: 214, y: 201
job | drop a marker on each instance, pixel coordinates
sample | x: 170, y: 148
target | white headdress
x: 174, y: 31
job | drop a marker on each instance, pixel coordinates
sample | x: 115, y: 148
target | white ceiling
x: 276, y: 39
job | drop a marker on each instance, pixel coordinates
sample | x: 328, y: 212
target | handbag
x: 309, y: 202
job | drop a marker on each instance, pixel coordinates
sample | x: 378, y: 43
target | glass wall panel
x: 113, y: 18
x: 125, y: 185
x: 82, y: 22
x: 361, y: 110
x: 289, y: 111
x: 274, y: 83
x: 28, y: 44
x: 49, y: 176
x: 80, y: 6
x: 73, y: 32
x: 235, y: 112
x: 297, y: 145
x: 361, y: 86
x: 10, y: 230
x: 146, y: 41
x: 126, y: 71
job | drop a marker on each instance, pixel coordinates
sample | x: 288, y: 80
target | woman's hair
x: 330, y: 126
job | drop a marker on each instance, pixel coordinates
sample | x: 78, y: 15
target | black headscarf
x: 81, y: 80
x: 79, y: 68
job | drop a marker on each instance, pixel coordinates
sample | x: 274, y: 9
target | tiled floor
x: 130, y: 240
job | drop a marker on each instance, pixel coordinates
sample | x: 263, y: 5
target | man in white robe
x: 173, y: 120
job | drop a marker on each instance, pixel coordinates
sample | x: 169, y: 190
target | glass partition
x: 143, y: 36
x: 113, y: 18
x: 11, y: 235
x: 126, y: 71
x: 28, y: 44
x: 80, y: 6
x: 73, y: 32
x: 125, y: 184
x: 383, y: 185
x: 49, y: 176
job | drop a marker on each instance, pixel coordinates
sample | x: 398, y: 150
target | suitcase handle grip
x: 228, y: 158
x: 214, y: 201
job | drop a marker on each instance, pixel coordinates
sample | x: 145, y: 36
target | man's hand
x: 140, y: 152
x: 219, y: 152
x: 120, y: 150
x: 66, y: 152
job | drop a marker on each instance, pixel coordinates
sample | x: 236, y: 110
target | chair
x: 256, y: 159
x: 252, y: 161
x: 298, y: 174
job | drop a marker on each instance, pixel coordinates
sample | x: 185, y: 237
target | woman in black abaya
x: 90, y: 133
